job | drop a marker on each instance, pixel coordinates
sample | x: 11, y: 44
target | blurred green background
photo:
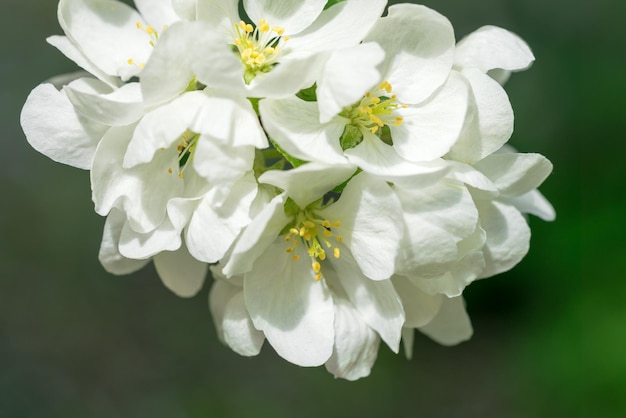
x: 550, y: 336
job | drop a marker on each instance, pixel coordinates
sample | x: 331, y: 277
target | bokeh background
x: 550, y: 336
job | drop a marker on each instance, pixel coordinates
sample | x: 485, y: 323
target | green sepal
x: 295, y: 162
x: 309, y: 94
x: 330, y: 3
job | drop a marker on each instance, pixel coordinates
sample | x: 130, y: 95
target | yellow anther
x: 142, y: 65
x: 336, y: 224
x: 296, y: 257
x: 169, y: 170
x: 263, y: 26
x: 279, y: 31
x: 238, y: 42
x: 386, y: 86
x: 180, y: 175
x: 398, y: 121
x: 374, y: 129
x: 318, y: 277
x: 287, y: 237
x: 286, y: 38
x: 339, y: 238
x: 326, y: 223
x: 327, y: 233
x: 302, y: 231
x: 308, y: 224
x: 322, y: 255
x: 289, y: 250
x: 316, y: 266
x: 376, y: 120
x: 336, y: 252
x: 131, y: 61
x: 139, y: 25
x: 294, y: 231
x: 149, y: 30
x: 375, y: 100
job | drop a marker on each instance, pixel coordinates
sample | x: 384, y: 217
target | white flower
x: 386, y: 105
x: 276, y: 57
x: 290, y: 280
x: 180, y: 167
x: 110, y: 39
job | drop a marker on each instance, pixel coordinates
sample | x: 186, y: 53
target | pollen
x: 317, y: 235
x: 153, y: 34
x: 258, y: 47
x: 376, y: 110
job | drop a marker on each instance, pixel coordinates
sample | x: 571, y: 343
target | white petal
x: 256, y: 237
x: 186, y: 9
x: 419, y: 47
x: 377, y: 301
x: 453, y: 282
x: 53, y: 128
x: 214, y: 226
x: 180, y: 272
x: 534, y: 203
x: 347, y: 75
x: 185, y: 50
x: 515, y: 174
x: 369, y: 211
x: 67, y: 48
x: 239, y: 331
x: 143, y: 191
x: 222, y: 291
x: 109, y: 254
x: 408, y: 336
x: 356, y: 345
x: 281, y: 83
x: 105, y: 32
x: 219, y: 163
x: 292, y: 15
x: 293, y: 310
x: 430, y: 129
x: 243, y: 127
x: 343, y: 25
x: 508, y: 236
x: 419, y: 307
x: 308, y: 182
x: 380, y: 159
x: 158, y: 13
x: 489, y: 121
x: 96, y: 101
x: 451, y: 325
x: 161, y: 127
x: 472, y: 177
x: 491, y: 47
x: 133, y: 244
x: 219, y: 13
x: 437, y: 218
x: 294, y: 125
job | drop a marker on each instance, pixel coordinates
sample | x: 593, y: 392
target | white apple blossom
x: 386, y: 105
x: 346, y: 175
x: 289, y: 279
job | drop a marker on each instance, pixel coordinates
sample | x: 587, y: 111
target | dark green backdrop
x: 550, y: 336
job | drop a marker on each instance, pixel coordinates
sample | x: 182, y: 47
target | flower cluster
x: 344, y: 172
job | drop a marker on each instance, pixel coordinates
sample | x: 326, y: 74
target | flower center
x: 375, y: 111
x: 316, y: 234
x: 258, y: 47
x: 186, y: 149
